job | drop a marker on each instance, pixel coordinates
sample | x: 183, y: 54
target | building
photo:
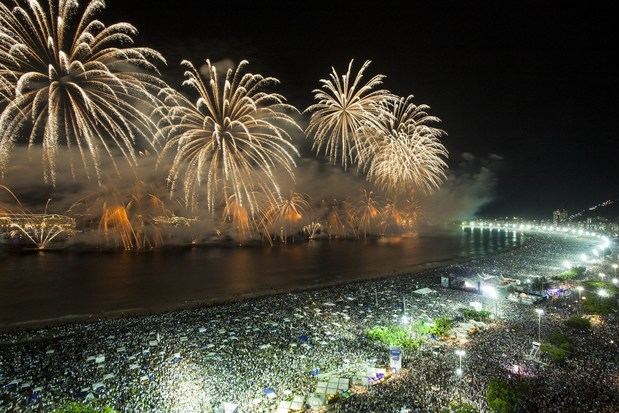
x: 559, y: 216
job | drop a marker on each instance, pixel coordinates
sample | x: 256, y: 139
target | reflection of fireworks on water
x: 72, y: 80
x: 234, y: 137
x: 38, y: 229
x: 344, y: 104
x: 403, y: 151
x: 285, y: 215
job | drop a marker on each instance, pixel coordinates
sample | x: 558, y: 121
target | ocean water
x: 43, y: 287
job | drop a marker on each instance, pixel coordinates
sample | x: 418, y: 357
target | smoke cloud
x: 469, y: 186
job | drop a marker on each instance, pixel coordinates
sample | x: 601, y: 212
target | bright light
x: 580, y: 288
x: 583, y: 257
x: 601, y: 275
x: 596, y: 253
x: 615, y: 266
x: 567, y: 265
x: 460, y: 352
x: 602, y: 293
x: 476, y: 305
x: 405, y: 319
x: 489, y: 290
x: 615, y: 281
x: 539, y: 311
x: 459, y: 371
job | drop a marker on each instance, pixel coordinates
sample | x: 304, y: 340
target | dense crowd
x: 194, y: 360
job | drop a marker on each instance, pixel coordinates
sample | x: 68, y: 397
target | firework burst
x: 38, y: 230
x: 403, y: 152
x: 126, y: 219
x: 284, y: 216
x: 367, y: 213
x: 239, y: 218
x: 234, y: 138
x: 344, y: 105
x: 67, y: 79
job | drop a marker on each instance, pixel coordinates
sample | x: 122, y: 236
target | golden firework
x: 284, y: 216
x: 127, y: 219
x: 344, y: 105
x: 233, y: 139
x: 68, y: 79
x: 403, y: 152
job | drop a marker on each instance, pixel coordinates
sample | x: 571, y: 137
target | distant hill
x: 608, y: 209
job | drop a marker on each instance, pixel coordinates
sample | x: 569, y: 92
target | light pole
x: 579, y: 289
x: 615, y: 266
x: 460, y: 353
x: 406, y: 322
x: 491, y: 291
x: 539, y: 312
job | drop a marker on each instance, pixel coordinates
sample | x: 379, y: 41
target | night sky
x: 533, y: 83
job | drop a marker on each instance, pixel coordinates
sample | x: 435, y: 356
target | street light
x: 615, y: 266
x: 601, y: 275
x: 460, y: 353
x: 539, y: 312
x: 579, y: 289
x: 491, y: 291
x: 615, y: 281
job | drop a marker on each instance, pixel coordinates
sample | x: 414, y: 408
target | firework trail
x: 344, y: 105
x: 232, y: 139
x: 68, y: 79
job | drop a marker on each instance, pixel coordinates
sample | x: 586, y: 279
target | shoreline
x: 197, y: 359
x: 74, y: 319
x: 213, y: 302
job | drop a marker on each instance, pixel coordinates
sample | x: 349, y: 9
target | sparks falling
x: 70, y: 80
x: 403, y: 151
x: 344, y: 105
x: 233, y: 139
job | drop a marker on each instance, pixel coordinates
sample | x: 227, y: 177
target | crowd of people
x: 258, y: 352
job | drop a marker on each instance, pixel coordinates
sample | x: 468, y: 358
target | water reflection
x: 44, y: 286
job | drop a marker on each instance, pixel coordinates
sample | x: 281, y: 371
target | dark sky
x: 532, y: 82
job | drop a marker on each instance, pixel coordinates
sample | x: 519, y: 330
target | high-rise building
x: 560, y: 215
